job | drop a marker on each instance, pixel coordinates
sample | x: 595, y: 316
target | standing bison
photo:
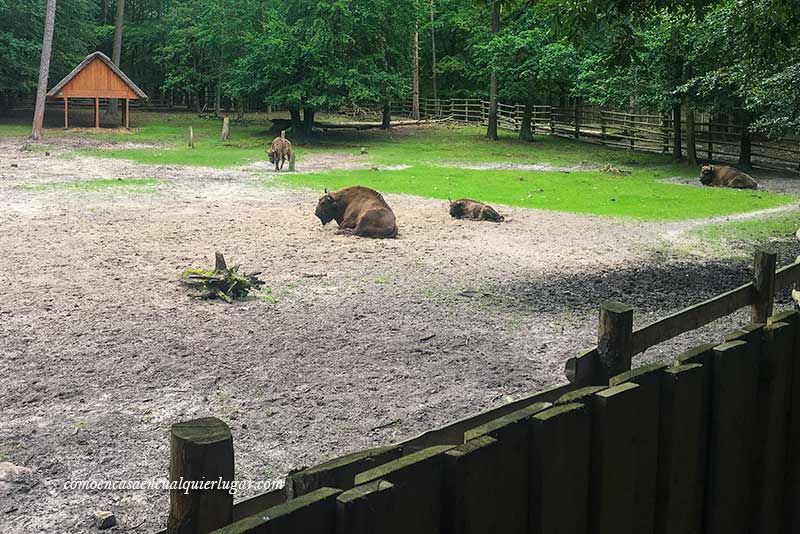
x: 465, y: 208
x: 358, y: 211
x: 724, y: 176
x: 280, y: 151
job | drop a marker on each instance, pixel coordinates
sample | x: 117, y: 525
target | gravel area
x: 357, y: 342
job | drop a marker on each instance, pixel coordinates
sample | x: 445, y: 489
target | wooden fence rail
x: 707, y: 444
x: 633, y: 131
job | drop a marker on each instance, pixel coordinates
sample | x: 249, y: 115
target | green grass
x: 753, y: 231
x: 640, y: 195
x: 128, y: 184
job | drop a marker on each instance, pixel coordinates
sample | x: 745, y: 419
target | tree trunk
x: 745, y: 142
x: 294, y: 114
x: 387, y: 115
x: 116, y: 54
x: 415, y: 100
x: 105, y: 11
x: 691, y: 146
x: 491, y: 131
x: 217, y: 101
x: 525, y: 132
x: 308, y: 122
x: 226, y: 128
x: 677, y: 151
x: 433, y: 58
x: 44, y: 69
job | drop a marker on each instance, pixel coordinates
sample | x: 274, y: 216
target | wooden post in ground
x: 97, y: 112
x: 191, y: 137
x: 763, y: 285
x: 127, y: 114
x: 201, y: 450
x: 66, y: 113
x: 614, y: 336
x: 602, y: 127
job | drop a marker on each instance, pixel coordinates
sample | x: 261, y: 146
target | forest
x: 736, y: 58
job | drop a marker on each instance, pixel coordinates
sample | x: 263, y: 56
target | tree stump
x: 201, y: 450
x: 226, y: 128
x: 191, y: 137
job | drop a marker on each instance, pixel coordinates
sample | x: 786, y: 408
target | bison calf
x: 358, y: 211
x: 724, y: 176
x: 280, y: 151
x: 465, y: 208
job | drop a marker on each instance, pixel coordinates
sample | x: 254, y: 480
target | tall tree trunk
x: 105, y: 11
x: 415, y: 98
x: 525, y: 132
x: 294, y: 113
x: 387, y: 115
x: 433, y: 59
x: 491, y: 131
x: 677, y: 151
x: 44, y: 69
x: 745, y: 141
x: 217, y: 100
x: 116, y: 54
x: 691, y: 145
x: 308, y: 122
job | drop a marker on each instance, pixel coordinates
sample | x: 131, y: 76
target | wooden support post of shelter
x: 97, y: 77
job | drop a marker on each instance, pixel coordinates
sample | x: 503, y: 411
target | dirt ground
x: 357, y: 343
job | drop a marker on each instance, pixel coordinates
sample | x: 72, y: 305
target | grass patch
x: 129, y: 184
x: 751, y: 232
x: 641, y: 195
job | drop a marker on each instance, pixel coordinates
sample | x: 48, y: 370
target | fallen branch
x: 223, y: 283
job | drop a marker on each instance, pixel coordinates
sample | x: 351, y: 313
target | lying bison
x: 358, y: 211
x: 280, y: 151
x: 465, y: 208
x: 724, y: 176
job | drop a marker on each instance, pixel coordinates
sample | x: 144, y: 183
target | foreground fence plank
x: 559, y: 474
x: 416, y: 502
x: 364, y: 509
x: 513, y: 432
x: 340, y: 472
x: 472, y: 488
x: 200, y: 450
x: 613, y: 459
x: 648, y: 378
x: 682, y: 451
x: 792, y: 476
x: 733, y: 404
x: 773, y: 392
x: 314, y: 513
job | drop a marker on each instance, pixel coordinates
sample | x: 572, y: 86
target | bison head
x: 327, y: 208
x: 273, y: 155
x: 456, y: 209
x: 706, y: 174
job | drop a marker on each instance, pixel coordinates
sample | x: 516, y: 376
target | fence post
x: 614, y: 337
x: 576, y: 113
x: 201, y: 449
x: 602, y: 127
x: 665, y: 131
x: 763, y: 285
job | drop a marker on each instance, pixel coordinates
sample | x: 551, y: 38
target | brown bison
x: 280, y: 151
x: 358, y: 211
x: 465, y: 208
x: 724, y: 176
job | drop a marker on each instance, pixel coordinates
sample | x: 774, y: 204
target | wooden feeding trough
x: 97, y: 77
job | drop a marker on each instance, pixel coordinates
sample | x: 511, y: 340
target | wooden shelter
x: 97, y: 77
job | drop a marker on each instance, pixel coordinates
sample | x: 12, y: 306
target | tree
x: 116, y: 55
x: 44, y: 69
x: 491, y: 130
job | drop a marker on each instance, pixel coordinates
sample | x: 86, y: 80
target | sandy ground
x: 357, y: 343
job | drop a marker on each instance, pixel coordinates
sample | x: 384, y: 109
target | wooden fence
x: 709, y: 443
x: 714, y: 141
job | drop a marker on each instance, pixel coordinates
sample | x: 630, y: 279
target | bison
x: 280, y: 151
x: 465, y: 208
x: 358, y: 211
x: 724, y: 176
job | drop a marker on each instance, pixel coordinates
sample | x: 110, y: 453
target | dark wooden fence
x: 709, y: 443
x: 714, y: 140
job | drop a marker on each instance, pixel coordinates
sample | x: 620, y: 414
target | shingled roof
x: 110, y: 64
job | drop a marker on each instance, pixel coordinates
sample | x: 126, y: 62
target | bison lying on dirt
x: 724, y: 176
x: 280, y: 151
x: 358, y: 211
x: 465, y: 208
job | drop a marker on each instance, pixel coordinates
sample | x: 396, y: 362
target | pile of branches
x: 222, y: 283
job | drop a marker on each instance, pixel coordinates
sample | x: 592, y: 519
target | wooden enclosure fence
x: 708, y: 443
x: 714, y: 141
